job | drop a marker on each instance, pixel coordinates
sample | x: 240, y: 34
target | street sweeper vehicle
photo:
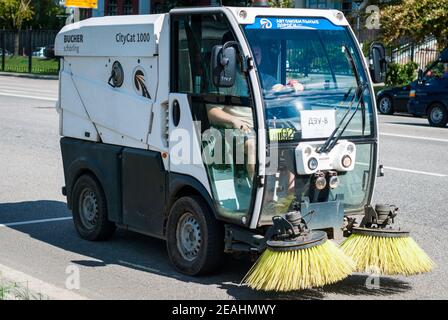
x: 229, y: 130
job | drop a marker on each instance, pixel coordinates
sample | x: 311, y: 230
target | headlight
x: 346, y: 161
x: 350, y: 148
x: 333, y: 180
x: 313, y: 164
x: 320, y: 182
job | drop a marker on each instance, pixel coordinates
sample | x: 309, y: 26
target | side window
x: 197, y: 35
x: 225, y: 116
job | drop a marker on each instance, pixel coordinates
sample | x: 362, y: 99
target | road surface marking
x: 407, y: 170
x: 413, y: 137
x: 38, y: 286
x: 28, y: 97
x: 11, y: 224
x: 417, y: 172
x: 29, y: 89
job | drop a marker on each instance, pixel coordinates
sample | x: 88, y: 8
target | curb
x: 37, y: 286
x: 29, y: 76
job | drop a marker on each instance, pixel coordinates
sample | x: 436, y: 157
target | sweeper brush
x: 382, y: 249
x: 304, y: 260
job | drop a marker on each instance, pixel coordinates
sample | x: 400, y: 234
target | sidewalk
x: 29, y: 75
x: 18, y: 285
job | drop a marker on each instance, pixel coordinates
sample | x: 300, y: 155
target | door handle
x: 175, y: 113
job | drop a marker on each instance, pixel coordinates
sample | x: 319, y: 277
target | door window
x: 224, y: 117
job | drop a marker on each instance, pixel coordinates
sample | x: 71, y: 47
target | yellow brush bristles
x: 388, y: 255
x: 299, y: 269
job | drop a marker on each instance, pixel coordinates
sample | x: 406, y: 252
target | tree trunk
x: 16, y: 42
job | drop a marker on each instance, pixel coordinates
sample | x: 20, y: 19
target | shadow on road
x: 147, y: 254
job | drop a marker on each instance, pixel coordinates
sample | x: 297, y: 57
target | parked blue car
x: 433, y: 104
x: 396, y: 99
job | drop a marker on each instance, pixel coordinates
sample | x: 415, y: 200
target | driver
x: 269, y: 81
x: 241, y: 118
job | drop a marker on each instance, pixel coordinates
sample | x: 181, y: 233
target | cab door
x: 222, y: 120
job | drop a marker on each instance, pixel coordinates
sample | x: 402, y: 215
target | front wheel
x: 438, y: 115
x: 385, y: 105
x: 195, y: 239
x: 90, y: 210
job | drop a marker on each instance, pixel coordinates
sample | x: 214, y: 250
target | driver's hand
x: 278, y: 87
x: 296, y: 85
x: 241, y: 124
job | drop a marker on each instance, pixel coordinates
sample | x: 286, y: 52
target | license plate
x: 317, y: 123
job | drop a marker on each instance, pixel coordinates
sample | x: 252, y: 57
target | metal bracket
x: 381, y: 216
x: 240, y: 239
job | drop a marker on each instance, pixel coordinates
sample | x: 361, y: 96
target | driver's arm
x: 218, y: 116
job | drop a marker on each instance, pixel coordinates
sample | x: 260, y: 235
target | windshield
x: 310, y: 70
x: 303, y: 67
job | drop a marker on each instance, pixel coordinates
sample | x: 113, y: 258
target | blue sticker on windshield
x: 293, y: 23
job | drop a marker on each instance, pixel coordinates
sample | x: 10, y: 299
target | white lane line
x: 27, y: 96
x: 407, y: 170
x: 417, y: 172
x: 413, y: 137
x: 30, y: 93
x: 44, y: 93
x: 21, y: 223
x: 28, y: 89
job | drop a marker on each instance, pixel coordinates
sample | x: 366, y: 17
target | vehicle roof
x: 335, y: 16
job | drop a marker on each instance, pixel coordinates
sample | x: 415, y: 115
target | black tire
x: 206, y: 237
x: 438, y: 115
x: 88, y: 196
x: 385, y: 104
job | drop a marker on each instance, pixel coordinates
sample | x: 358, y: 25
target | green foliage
x: 398, y: 75
x: 13, y: 13
x: 19, y: 64
x: 46, y: 17
x: 281, y: 3
x: 415, y: 19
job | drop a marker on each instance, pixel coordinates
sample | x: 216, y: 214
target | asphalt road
x: 132, y: 266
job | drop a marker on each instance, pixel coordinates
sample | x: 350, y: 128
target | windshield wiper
x: 332, y: 140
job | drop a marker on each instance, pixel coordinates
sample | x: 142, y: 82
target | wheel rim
x: 188, y: 237
x: 436, y: 114
x: 385, y: 105
x: 88, y: 207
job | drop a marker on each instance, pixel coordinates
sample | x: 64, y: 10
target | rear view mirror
x: 378, y: 63
x: 223, y: 65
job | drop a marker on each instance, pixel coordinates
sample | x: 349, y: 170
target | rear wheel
x: 385, y: 105
x: 438, y: 115
x: 90, y: 210
x: 195, y: 239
